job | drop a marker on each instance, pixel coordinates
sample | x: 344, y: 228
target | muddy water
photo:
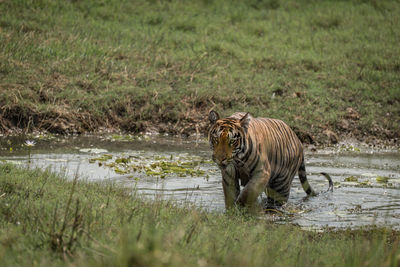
x: 367, y: 182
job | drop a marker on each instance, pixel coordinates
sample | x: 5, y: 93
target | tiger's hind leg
x: 278, y: 191
x: 275, y: 199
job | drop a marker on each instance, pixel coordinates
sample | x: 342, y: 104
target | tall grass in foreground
x: 50, y: 220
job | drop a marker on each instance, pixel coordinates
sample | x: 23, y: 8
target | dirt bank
x: 193, y: 122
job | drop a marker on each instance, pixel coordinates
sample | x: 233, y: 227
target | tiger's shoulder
x: 239, y: 115
x: 257, y: 120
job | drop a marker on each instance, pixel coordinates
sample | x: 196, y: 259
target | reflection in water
x: 361, y: 201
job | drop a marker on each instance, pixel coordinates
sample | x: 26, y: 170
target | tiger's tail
x: 304, y: 182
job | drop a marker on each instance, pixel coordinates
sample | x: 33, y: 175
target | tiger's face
x: 226, y: 138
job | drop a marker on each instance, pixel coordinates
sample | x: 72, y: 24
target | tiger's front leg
x: 255, y: 186
x: 230, y: 185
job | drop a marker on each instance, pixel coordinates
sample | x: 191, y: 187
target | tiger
x: 262, y: 154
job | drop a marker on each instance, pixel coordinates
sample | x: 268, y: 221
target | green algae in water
x: 152, y: 173
x: 120, y: 171
x: 180, y: 168
x: 351, y: 179
x: 349, y: 148
x: 365, y: 184
x: 157, y: 165
x: 124, y: 137
x: 122, y: 161
x: 103, y: 157
x: 382, y: 179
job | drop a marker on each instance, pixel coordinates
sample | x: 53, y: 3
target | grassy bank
x: 78, y: 66
x: 46, y: 219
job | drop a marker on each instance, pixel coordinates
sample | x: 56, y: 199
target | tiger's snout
x: 221, y: 162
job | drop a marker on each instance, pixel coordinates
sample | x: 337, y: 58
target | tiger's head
x: 227, y: 137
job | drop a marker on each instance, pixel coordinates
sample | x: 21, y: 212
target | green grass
x: 47, y: 220
x: 70, y: 66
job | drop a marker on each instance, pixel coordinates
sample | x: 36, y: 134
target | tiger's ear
x: 245, y: 121
x: 213, y: 117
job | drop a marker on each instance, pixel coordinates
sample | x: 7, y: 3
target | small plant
x: 29, y: 144
x: 10, y: 146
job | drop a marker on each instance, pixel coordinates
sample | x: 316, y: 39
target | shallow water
x: 367, y: 182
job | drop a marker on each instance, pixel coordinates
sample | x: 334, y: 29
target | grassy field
x: 78, y: 66
x: 47, y: 220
